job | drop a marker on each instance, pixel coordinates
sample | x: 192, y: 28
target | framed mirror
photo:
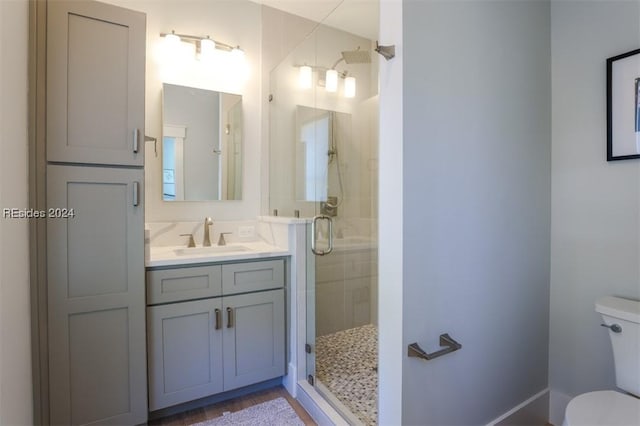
x: 201, y: 144
x: 623, y: 106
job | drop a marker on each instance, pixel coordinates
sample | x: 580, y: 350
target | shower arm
x: 335, y: 64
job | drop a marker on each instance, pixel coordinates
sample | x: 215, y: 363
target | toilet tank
x: 626, y: 344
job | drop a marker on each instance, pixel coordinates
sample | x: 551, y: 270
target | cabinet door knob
x: 229, y: 317
x: 218, y: 318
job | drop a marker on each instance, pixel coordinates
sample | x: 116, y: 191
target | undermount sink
x: 191, y: 251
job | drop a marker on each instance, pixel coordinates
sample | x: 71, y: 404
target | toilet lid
x: 603, y: 408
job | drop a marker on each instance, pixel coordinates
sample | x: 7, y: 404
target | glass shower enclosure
x: 323, y: 168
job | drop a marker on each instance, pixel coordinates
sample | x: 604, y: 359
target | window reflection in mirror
x: 201, y: 144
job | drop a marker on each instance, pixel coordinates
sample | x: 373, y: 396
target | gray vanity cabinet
x: 254, y: 346
x: 185, y: 351
x: 202, y: 347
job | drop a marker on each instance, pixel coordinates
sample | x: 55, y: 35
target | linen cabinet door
x: 96, y: 296
x: 254, y: 338
x: 185, y: 351
x: 95, y: 83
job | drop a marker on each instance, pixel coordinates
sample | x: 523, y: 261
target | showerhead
x: 356, y: 56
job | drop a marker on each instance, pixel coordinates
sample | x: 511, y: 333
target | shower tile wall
x: 346, y: 289
x: 358, y: 153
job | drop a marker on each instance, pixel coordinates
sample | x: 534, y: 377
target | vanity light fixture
x: 237, y: 52
x: 305, y: 77
x: 331, y: 81
x: 172, y: 39
x: 172, y: 46
x: 349, y: 87
x: 207, y: 49
x: 205, y: 46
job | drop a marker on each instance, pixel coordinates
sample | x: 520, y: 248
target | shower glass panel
x: 324, y: 162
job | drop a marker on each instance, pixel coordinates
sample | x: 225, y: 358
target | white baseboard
x: 558, y: 402
x: 522, y: 407
x: 319, y: 409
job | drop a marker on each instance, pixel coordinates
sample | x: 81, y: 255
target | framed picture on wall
x: 623, y: 106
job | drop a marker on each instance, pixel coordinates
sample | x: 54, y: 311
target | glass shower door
x: 323, y: 164
x: 341, y: 265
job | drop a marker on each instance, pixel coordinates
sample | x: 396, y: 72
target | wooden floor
x: 215, y: 410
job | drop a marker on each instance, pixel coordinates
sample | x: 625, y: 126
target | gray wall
x: 476, y: 206
x: 595, y: 216
x: 16, y: 402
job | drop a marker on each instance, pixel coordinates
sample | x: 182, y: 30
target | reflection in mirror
x: 201, y: 144
x: 321, y: 137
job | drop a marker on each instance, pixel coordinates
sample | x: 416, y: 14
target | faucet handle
x: 192, y: 242
x: 221, y: 240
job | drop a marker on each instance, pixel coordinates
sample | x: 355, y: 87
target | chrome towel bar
x: 451, y: 345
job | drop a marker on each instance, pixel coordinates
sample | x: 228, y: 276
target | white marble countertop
x: 181, y: 255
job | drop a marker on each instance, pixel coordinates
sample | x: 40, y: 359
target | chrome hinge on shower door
x: 310, y: 379
x: 307, y: 348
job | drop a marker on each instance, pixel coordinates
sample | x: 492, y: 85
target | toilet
x: 613, y: 408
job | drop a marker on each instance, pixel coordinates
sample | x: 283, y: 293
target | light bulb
x: 207, y: 49
x: 331, y: 81
x: 237, y: 52
x: 350, y: 87
x: 305, y: 77
x: 171, y: 48
x: 172, y: 40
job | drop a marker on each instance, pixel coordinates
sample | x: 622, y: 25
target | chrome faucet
x: 207, y: 239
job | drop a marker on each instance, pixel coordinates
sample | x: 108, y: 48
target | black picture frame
x: 623, y: 106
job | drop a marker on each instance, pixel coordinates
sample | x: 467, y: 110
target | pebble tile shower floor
x: 347, y: 364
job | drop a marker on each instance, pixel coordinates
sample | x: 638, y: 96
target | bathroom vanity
x: 215, y: 322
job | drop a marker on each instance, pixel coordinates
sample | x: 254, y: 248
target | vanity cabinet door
x: 185, y: 352
x: 254, y: 338
x: 96, y: 293
x: 95, y: 83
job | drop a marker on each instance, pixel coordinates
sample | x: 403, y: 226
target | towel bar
x: 414, y: 350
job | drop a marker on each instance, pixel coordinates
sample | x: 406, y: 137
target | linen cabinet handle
x: 136, y: 194
x: 136, y: 137
x: 218, y: 318
x: 229, y: 317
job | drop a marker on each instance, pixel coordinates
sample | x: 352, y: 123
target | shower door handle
x: 314, y: 236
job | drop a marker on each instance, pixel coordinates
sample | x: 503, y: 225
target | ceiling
x: 358, y: 17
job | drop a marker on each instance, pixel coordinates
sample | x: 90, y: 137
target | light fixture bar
x: 341, y: 74
x: 313, y: 67
x: 196, y: 39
